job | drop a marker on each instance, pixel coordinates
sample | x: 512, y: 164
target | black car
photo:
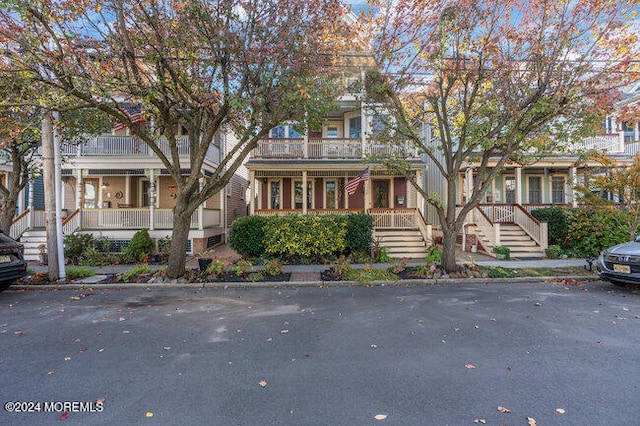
x: 12, y: 263
x: 620, y: 264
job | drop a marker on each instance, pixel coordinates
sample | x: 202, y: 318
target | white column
x: 620, y: 137
x: 32, y: 214
x: 127, y: 190
x: 152, y: 198
x: 201, y: 207
x: 392, y: 193
x: 252, y: 192
x: 636, y: 132
x: 304, y: 192
x: 78, y: 188
x: 574, y: 193
x: 519, y: 185
x: 419, y: 199
x: 367, y: 195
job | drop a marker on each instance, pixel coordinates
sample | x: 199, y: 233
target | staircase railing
x: 71, y: 222
x: 404, y: 218
x: 533, y: 227
x: 490, y: 229
x: 426, y: 229
x: 20, y: 224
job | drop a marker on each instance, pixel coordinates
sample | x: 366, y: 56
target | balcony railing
x: 608, y: 143
x: 131, y: 146
x: 324, y: 148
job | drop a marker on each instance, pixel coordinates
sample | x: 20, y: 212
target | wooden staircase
x: 32, y: 240
x: 401, y: 243
x: 518, y: 241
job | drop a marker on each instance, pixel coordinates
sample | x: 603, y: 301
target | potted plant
x: 205, y: 259
x: 502, y: 252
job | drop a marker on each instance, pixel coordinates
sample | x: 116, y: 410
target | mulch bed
x: 233, y: 278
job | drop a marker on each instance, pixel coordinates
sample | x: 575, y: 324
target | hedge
x: 556, y: 218
x: 247, y: 236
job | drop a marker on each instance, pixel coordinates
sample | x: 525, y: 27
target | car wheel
x: 5, y: 285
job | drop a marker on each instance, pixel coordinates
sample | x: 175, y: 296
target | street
x: 397, y: 355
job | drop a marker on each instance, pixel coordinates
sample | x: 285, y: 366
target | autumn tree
x: 498, y: 82
x: 208, y: 66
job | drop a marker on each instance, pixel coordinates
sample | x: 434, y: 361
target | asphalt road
x: 428, y: 355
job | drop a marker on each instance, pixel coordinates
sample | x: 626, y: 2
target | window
x: 332, y: 132
x: 510, y: 189
x: 146, y: 193
x: 355, y: 127
x: 297, y: 194
x: 277, y: 132
x: 557, y: 190
x: 535, y: 190
x: 378, y: 124
x: 293, y: 133
x: 274, y: 195
x: 90, y: 193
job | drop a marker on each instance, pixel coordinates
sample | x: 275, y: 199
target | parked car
x: 620, y: 264
x: 12, y: 263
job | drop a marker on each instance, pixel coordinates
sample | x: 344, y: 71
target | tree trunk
x: 449, y: 249
x: 179, y: 237
x: 48, y: 169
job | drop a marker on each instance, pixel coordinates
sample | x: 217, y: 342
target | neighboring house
x: 306, y: 171
x: 504, y: 217
x: 114, y: 185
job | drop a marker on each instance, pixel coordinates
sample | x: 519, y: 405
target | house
x: 114, y: 185
x: 297, y: 169
x: 503, y: 217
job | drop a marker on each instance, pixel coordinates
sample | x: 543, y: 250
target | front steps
x: 401, y: 243
x: 32, y: 240
x: 518, y: 241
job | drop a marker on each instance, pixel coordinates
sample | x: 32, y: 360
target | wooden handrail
x: 20, y: 216
x: 68, y: 218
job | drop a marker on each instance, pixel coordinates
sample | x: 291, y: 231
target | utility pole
x: 48, y: 174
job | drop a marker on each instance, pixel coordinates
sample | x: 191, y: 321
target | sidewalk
x: 306, y: 273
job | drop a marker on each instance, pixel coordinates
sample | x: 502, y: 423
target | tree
x: 239, y: 66
x: 620, y: 181
x: 499, y: 82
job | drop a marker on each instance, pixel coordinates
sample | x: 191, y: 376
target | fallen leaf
x: 100, y: 401
x: 503, y: 409
x: 82, y: 350
x: 64, y: 416
x: 537, y: 304
x: 456, y: 329
x: 149, y: 414
x: 531, y: 421
x: 380, y: 416
x: 121, y: 319
x: 101, y: 350
x: 262, y: 383
x: 373, y: 346
x: 167, y: 348
x: 470, y: 366
x: 77, y: 341
x: 67, y: 358
x: 481, y: 421
x: 284, y: 331
x: 50, y: 373
x: 560, y: 410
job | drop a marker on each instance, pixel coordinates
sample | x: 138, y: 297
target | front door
x: 381, y: 194
x: 90, y: 193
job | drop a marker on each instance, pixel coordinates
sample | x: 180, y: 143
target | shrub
x: 309, y: 235
x: 80, y: 272
x: 592, y: 230
x: 140, y: 247
x: 502, y: 251
x: 76, y: 244
x: 368, y: 274
x: 136, y: 270
x: 359, y: 234
x: 217, y: 266
x: 434, y: 255
x: 553, y: 251
x: 247, y: 236
x: 341, y: 266
x: 92, y: 257
x: 273, y: 267
x: 242, y: 267
x: 556, y: 218
x: 396, y: 266
x: 382, y: 257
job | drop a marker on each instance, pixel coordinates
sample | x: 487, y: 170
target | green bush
x: 305, y: 235
x: 592, y: 230
x: 434, y: 255
x: 143, y: 269
x: 79, y: 272
x: 75, y: 246
x: 502, y: 251
x: 553, y: 251
x: 359, y: 232
x: 140, y: 247
x: 556, y: 218
x: 273, y: 267
x: 247, y: 236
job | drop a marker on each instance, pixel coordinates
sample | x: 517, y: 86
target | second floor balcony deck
x: 326, y: 148
x: 127, y: 146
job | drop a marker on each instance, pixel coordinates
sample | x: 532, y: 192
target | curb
x: 300, y: 284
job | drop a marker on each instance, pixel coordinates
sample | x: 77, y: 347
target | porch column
x: 127, y: 189
x: 620, y: 137
x: 419, y: 199
x: 363, y: 121
x: 636, y: 131
x: 574, y: 181
x: 201, y: 207
x: 30, y: 205
x: 392, y: 193
x: 252, y: 192
x: 518, y: 185
x: 367, y: 195
x: 78, y: 188
x: 305, y: 147
x: 152, y: 197
x: 468, y: 174
x: 304, y: 192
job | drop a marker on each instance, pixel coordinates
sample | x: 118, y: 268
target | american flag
x: 134, y: 112
x: 352, y: 185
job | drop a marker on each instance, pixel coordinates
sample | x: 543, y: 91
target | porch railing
x: 323, y: 148
x: 20, y: 224
x: 515, y: 213
x: 608, y: 142
x: 406, y: 218
x: 131, y: 146
x: 138, y: 218
x: 71, y: 223
x: 279, y: 212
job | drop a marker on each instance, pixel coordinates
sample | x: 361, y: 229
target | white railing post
x: 544, y: 235
x: 496, y: 229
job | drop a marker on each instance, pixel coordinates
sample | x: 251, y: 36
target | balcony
x: 127, y: 146
x: 324, y: 148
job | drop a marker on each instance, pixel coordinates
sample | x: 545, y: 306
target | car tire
x: 4, y: 285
